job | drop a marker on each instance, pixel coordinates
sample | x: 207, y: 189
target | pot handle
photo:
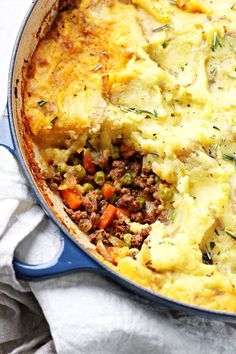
x: 5, y: 134
x: 69, y: 258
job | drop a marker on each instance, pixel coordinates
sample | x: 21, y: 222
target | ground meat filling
x: 104, y: 192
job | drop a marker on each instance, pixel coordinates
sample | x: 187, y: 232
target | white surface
x: 86, y: 313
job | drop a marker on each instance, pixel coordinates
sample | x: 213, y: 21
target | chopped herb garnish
x: 41, y: 103
x: 212, y: 154
x: 162, y: 28
x: 207, y: 256
x: 215, y: 127
x: 215, y: 42
x: 53, y: 121
x: 98, y: 67
x: 230, y: 234
x: 139, y: 111
x: 229, y: 156
x: 212, y: 245
x: 213, y: 71
x: 164, y: 45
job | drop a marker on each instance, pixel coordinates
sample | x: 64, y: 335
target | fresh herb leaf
x: 207, y: 256
x: 53, y: 121
x: 215, y: 42
x: 164, y: 45
x: 98, y: 67
x: 41, y: 103
x: 229, y: 156
x: 162, y: 28
x: 212, y: 245
x: 139, y: 111
x: 230, y: 234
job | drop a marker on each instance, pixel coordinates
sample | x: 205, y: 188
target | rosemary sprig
x: 207, y: 256
x: 99, y: 66
x: 213, y: 71
x: 53, y: 121
x: 230, y: 234
x: 230, y: 157
x: 162, y: 28
x: 139, y: 111
x: 41, y: 103
x: 215, y: 42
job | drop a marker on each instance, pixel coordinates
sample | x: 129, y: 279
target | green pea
x: 62, y: 167
x: 166, y: 194
x: 127, y: 239
x: 99, y: 177
x: 141, y: 201
x: 127, y: 179
x: 79, y: 171
x: 88, y: 187
x: 115, y: 153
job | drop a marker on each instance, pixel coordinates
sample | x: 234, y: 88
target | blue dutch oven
x: 73, y: 256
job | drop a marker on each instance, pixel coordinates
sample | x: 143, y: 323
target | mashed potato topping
x: 161, y: 75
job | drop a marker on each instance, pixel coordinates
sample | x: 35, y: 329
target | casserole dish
x: 78, y: 254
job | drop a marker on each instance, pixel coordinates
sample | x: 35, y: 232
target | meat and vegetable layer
x: 132, y: 107
x: 105, y: 191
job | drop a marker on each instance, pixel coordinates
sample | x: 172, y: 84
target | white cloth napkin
x: 86, y: 313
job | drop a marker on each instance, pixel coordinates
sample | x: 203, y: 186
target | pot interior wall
x: 34, y: 28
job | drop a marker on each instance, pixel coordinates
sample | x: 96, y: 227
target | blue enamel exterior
x: 69, y: 258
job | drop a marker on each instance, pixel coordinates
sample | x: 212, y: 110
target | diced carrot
x: 107, y: 216
x: 121, y: 212
x: 72, y: 198
x: 126, y: 150
x: 87, y: 162
x: 108, y: 190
